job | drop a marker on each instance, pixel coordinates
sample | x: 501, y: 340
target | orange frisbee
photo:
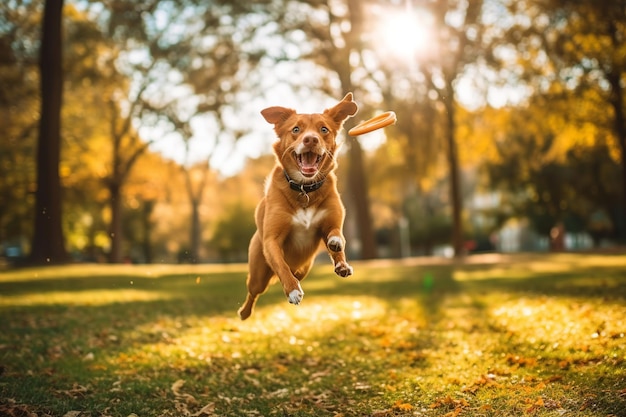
x: 375, y: 123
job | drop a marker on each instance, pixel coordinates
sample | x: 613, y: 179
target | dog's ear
x: 277, y: 114
x: 344, y: 109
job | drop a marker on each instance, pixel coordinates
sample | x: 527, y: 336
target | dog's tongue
x: 309, y: 163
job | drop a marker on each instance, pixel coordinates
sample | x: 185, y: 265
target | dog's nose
x: 310, y: 140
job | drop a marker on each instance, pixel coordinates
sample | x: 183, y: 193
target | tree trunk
x: 148, y: 207
x: 358, y: 192
x: 616, y: 98
x: 48, y: 244
x: 194, y: 250
x: 453, y: 166
x: 115, y: 231
x: 619, y: 122
x: 357, y: 178
x: 195, y: 186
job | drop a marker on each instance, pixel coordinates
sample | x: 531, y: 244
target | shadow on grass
x: 190, y: 331
x: 609, y: 283
x: 220, y: 294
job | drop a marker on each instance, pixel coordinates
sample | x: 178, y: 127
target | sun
x: 407, y: 33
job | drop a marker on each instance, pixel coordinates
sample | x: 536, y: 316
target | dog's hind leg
x: 257, y: 284
x: 259, y: 277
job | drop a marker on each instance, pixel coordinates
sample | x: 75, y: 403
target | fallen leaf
x: 457, y: 404
x: 400, y: 405
x: 520, y: 361
x: 176, y: 386
x: 188, y: 398
x: 279, y: 393
x: 454, y: 413
x: 206, y: 410
x: 362, y: 386
x: 76, y: 391
x: 535, y: 405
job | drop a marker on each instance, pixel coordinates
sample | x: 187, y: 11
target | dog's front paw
x: 296, y: 295
x: 343, y: 269
x: 335, y: 244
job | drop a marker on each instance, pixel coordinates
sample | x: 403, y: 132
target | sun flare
x: 405, y: 33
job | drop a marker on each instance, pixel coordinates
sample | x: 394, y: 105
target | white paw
x: 343, y: 269
x: 335, y: 244
x: 295, y: 296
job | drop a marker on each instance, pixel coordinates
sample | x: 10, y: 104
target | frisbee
x: 377, y: 122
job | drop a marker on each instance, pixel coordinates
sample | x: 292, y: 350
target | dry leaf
x: 454, y: 413
x: 188, y: 398
x: 176, y: 386
x: 400, y: 405
x: 206, y: 410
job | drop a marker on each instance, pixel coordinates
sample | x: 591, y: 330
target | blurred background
x: 130, y: 131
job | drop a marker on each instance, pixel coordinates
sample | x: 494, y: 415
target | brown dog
x: 301, y: 207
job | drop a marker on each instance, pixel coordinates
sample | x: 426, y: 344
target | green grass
x: 523, y: 335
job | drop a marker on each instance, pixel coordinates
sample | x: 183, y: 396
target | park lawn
x: 494, y: 335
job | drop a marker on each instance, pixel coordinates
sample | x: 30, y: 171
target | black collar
x: 303, y: 188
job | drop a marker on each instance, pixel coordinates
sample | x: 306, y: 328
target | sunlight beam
x: 405, y: 33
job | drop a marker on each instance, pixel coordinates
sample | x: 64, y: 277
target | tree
x: 337, y: 56
x: 550, y: 179
x: 89, y: 80
x: 459, y: 42
x: 597, y: 191
x: 196, y: 179
x: 216, y: 68
x: 48, y: 244
x: 131, y: 31
x: 233, y: 232
x: 19, y: 101
x: 184, y: 59
x: 455, y: 39
x: 127, y: 148
x: 537, y: 183
x: 80, y: 118
x: 576, y: 51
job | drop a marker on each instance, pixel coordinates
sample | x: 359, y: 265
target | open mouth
x: 309, y: 163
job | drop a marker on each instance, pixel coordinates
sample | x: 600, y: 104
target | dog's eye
x: 295, y: 129
x: 324, y: 130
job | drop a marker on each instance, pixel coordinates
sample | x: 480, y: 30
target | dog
x: 301, y: 207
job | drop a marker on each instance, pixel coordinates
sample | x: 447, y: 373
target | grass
x: 523, y: 335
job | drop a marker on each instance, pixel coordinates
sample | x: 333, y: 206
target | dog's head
x: 307, y: 142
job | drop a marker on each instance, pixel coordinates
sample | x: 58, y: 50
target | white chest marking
x: 307, y: 218
x: 305, y: 223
